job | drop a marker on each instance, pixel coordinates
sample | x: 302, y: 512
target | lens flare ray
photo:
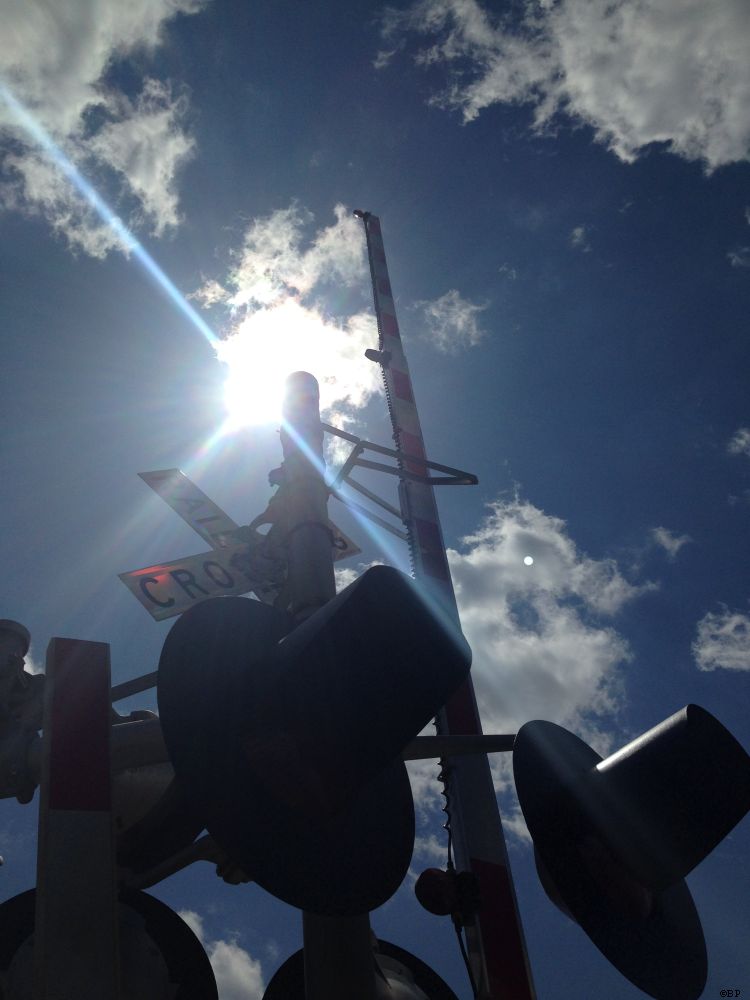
x: 130, y: 244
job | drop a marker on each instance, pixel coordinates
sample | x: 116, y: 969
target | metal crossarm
x: 453, y: 477
x: 370, y: 515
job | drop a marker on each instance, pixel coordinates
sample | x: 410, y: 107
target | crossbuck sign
x: 236, y: 563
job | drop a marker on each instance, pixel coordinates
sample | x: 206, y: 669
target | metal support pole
x: 338, y: 952
x: 308, y: 535
x: 339, y: 962
x: 76, y: 951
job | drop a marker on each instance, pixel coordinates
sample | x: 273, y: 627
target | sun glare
x: 273, y: 342
x: 269, y: 345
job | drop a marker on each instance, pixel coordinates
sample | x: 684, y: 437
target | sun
x: 269, y: 345
x: 289, y: 336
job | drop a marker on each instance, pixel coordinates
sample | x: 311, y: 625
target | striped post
x: 497, y: 949
x: 75, y: 936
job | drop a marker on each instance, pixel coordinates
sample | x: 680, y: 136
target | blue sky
x: 564, y: 192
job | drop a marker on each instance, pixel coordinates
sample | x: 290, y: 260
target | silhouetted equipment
x: 159, y: 954
x: 400, y: 976
x: 615, y: 838
x: 437, y: 891
x: 448, y: 892
x: 288, y: 741
x: 20, y: 631
x: 366, y: 673
x: 168, y: 826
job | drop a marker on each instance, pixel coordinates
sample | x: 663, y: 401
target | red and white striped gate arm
x: 496, y: 944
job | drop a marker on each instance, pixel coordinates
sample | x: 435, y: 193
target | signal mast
x: 497, y: 951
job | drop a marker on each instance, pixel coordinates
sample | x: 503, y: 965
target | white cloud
x: 346, y: 575
x: 452, y: 321
x: 37, y: 187
x: 384, y: 57
x: 542, y: 642
x: 543, y: 646
x: 278, y: 295
x: 238, y: 975
x: 147, y: 147
x: 579, y: 239
x: 54, y: 55
x: 55, y: 59
x: 273, y: 264
x: 431, y: 848
x: 194, y: 922
x: 210, y: 293
x: 636, y: 71
x: 739, y: 257
x: 425, y: 785
x: 668, y: 541
x: 31, y: 665
x: 739, y: 443
x: 723, y: 641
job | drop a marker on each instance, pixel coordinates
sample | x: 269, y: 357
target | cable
x: 456, y: 916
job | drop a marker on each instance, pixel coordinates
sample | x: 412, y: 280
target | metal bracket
x: 453, y: 477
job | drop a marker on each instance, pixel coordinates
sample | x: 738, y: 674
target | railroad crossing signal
x: 241, y: 561
x: 290, y: 742
x: 160, y: 956
x: 406, y: 976
x: 615, y: 838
